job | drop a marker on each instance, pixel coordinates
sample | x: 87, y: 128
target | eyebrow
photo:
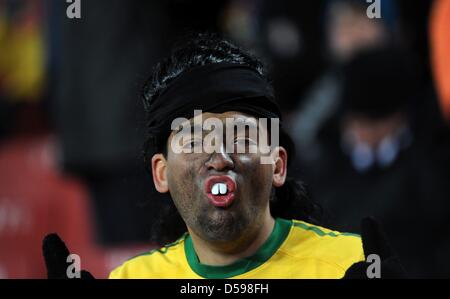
x: 247, y: 123
x: 194, y: 128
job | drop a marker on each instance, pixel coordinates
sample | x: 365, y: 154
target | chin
x: 223, y: 226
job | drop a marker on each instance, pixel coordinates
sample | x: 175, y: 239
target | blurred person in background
x: 350, y: 31
x: 290, y: 39
x: 374, y: 158
x: 347, y: 30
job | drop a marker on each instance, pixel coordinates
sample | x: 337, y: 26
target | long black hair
x: 289, y: 201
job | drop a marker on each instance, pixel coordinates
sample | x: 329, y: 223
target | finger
x: 55, y: 255
x: 373, y: 239
x: 86, y: 275
x: 356, y: 271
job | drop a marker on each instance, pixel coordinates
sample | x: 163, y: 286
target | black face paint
x: 187, y: 176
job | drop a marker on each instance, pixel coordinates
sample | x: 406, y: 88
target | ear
x: 159, y: 171
x: 280, y: 166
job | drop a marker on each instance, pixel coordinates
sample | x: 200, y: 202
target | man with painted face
x: 244, y: 217
x: 230, y: 202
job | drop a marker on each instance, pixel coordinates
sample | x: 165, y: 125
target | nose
x: 220, y: 161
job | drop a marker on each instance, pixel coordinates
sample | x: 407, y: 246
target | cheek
x: 258, y: 176
x: 182, y: 178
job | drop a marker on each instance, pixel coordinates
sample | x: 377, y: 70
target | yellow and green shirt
x: 295, y: 249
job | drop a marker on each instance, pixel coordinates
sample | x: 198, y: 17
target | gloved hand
x: 374, y: 242
x: 55, y: 255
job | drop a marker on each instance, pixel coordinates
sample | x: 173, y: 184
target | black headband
x: 212, y: 88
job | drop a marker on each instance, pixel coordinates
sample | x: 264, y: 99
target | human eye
x: 192, y: 144
x: 244, y: 141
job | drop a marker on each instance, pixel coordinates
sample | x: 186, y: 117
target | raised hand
x: 55, y: 255
x: 375, y: 242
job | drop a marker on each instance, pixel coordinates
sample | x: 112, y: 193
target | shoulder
x: 150, y: 264
x: 336, y: 248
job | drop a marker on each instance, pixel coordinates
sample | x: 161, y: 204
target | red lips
x: 220, y: 200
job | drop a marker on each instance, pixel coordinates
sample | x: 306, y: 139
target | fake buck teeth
x: 219, y: 188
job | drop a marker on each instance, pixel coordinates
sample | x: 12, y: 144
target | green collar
x: 276, y: 238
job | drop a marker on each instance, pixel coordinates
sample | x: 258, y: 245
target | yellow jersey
x: 294, y: 249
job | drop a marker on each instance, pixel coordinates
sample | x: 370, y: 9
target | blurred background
x: 366, y: 100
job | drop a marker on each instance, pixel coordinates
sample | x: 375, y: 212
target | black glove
x: 55, y: 256
x: 375, y: 242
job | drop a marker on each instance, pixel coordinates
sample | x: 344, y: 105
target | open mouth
x: 220, y: 190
